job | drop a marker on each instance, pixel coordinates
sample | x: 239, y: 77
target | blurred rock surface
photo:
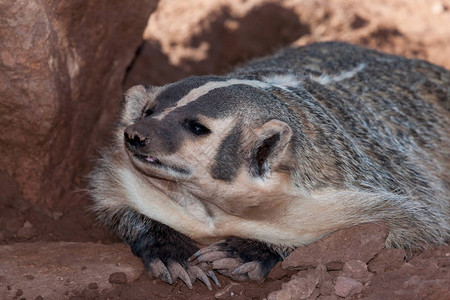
x: 209, y: 37
x: 61, y: 68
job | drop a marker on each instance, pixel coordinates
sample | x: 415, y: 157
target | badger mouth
x: 155, y: 163
x: 148, y: 159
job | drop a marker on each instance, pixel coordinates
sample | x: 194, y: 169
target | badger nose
x: 134, y: 139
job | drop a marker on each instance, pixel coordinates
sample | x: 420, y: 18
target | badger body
x: 275, y: 155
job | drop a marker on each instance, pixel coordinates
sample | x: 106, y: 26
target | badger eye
x: 148, y: 111
x: 196, y: 128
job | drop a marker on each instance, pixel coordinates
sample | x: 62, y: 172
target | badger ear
x: 269, y: 145
x: 135, y: 99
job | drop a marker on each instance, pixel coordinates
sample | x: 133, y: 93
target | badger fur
x: 275, y: 155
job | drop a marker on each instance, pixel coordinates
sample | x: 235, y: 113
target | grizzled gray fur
x: 275, y: 155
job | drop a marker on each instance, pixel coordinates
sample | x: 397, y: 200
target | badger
x: 232, y: 173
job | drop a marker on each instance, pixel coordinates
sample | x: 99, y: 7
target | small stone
x: 301, y: 286
x: 279, y: 295
x: 91, y: 294
x: 26, y: 233
x: 56, y: 215
x: 118, y: 278
x: 27, y: 224
x: 19, y: 292
x: 357, y: 270
x: 92, y: 286
x: 29, y: 277
x: 388, y: 259
x: 39, y: 298
x: 8, y: 59
x: 326, y: 287
x: 346, y: 287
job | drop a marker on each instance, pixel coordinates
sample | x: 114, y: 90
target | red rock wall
x: 62, y: 64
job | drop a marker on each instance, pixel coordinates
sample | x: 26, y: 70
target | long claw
x: 160, y: 270
x: 212, y: 275
x: 212, y: 256
x: 202, y: 252
x: 226, y: 263
x: 177, y: 271
x: 245, y: 268
x: 185, y: 277
x: 205, y: 280
x: 165, y: 276
x: 227, y: 273
x: 196, y: 272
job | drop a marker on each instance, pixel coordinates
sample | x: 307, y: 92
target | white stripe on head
x: 194, y: 94
x: 282, y: 81
x: 286, y: 80
x: 326, y: 79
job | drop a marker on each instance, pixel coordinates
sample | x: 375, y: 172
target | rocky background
x: 63, y: 68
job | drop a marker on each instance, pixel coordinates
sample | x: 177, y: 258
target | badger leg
x: 164, y: 251
x: 241, y: 259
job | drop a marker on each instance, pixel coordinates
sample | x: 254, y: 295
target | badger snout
x: 150, y: 137
x: 134, y: 139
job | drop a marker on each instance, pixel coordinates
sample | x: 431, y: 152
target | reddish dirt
x: 351, y: 263
x: 201, y: 37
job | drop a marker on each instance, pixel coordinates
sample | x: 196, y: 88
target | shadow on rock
x: 224, y: 42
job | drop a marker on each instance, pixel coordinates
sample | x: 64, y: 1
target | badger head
x: 222, y: 139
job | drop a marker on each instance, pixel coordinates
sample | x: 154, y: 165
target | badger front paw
x: 166, y: 257
x: 239, y: 259
x: 171, y: 270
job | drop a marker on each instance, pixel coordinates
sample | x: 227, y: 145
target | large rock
x: 60, y: 270
x: 425, y: 276
x: 361, y: 242
x: 61, y: 68
x: 301, y: 286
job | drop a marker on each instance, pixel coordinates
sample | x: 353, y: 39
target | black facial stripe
x: 228, y: 159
